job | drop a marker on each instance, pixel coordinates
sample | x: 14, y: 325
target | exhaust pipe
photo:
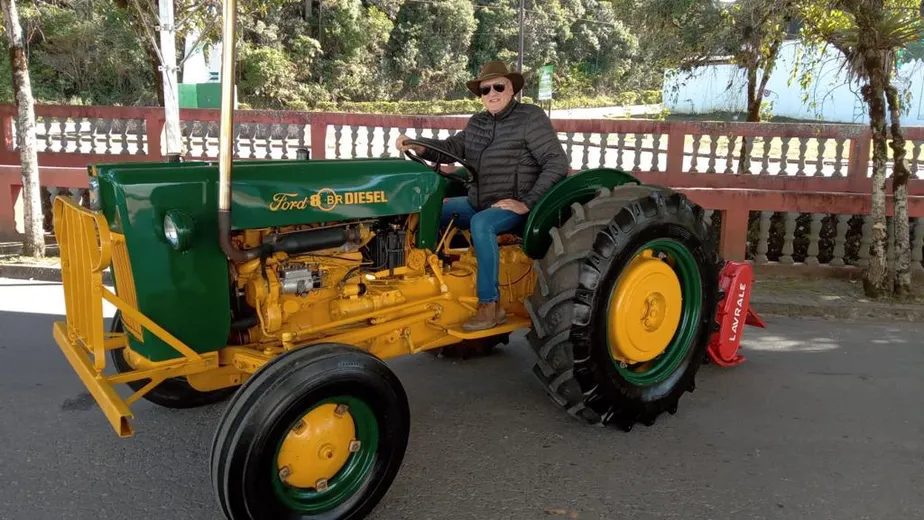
x: 226, y: 134
x: 312, y: 240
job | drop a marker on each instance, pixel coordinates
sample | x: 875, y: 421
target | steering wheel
x: 472, y: 172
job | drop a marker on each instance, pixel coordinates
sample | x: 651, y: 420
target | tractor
x: 284, y: 287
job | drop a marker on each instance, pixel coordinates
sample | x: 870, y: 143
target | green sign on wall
x: 545, y: 83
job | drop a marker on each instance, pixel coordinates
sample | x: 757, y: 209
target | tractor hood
x: 277, y: 193
x: 327, y: 191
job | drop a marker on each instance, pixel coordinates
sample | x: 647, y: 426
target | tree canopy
x: 296, y: 53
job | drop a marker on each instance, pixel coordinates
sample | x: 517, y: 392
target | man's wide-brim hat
x: 495, y: 69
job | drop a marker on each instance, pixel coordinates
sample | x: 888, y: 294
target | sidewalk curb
x: 42, y: 273
x: 859, y: 312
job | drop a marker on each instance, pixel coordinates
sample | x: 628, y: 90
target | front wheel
x: 625, y: 305
x: 317, y: 433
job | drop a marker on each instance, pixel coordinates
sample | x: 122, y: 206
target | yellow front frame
x: 86, y: 246
x: 86, y: 249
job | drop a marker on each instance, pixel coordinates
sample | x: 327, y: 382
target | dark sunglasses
x: 498, y: 87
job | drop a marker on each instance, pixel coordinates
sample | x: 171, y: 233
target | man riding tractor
x: 518, y: 157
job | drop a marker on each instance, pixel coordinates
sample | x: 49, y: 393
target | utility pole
x: 520, y: 53
x: 172, y: 145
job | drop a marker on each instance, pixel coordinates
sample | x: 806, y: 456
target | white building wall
x: 203, y: 64
x: 828, y: 98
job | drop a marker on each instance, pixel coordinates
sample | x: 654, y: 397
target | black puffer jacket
x: 517, y: 154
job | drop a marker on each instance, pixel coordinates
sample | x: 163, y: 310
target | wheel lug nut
x: 321, y: 485
x: 354, y: 446
x: 284, y: 473
x: 341, y: 409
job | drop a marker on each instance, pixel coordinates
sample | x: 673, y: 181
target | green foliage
x: 496, y: 36
x: 298, y: 54
x: 601, y: 47
x: 457, y: 106
x: 427, y: 51
x: 689, y: 32
x: 470, y: 106
x: 84, y: 52
x: 268, y: 78
x: 352, y: 41
x: 651, y: 97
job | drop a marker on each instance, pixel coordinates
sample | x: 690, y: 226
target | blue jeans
x: 484, y: 225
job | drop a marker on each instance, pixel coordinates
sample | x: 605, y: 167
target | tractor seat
x: 509, y: 239
x: 515, y: 236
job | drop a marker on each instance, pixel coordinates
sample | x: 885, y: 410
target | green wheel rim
x: 691, y: 284
x: 349, y: 479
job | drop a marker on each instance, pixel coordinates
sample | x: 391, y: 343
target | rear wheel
x: 318, y: 433
x: 625, y: 304
x: 175, y: 392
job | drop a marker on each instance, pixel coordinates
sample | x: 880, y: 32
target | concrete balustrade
x: 799, y: 196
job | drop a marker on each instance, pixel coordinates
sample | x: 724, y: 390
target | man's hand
x: 511, y: 205
x: 400, y: 143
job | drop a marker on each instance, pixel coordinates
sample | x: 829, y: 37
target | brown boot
x: 500, y: 315
x: 489, y: 315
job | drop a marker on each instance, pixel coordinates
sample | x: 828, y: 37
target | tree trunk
x: 875, y: 280
x: 754, y: 95
x: 34, y: 241
x: 900, y: 176
x: 753, y: 116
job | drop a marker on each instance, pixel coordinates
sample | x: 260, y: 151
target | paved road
x: 824, y: 421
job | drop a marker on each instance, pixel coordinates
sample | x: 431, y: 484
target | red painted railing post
x: 154, y: 126
x: 10, y: 181
x: 733, y: 241
x: 318, y: 137
x: 8, y: 152
x: 7, y: 212
x: 6, y: 127
x: 858, y: 167
x: 676, y: 137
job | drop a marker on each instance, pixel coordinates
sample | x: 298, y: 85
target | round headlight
x: 178, y: 229
x: 170, y: 232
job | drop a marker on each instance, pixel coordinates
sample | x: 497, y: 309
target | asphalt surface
x: 824, y: 421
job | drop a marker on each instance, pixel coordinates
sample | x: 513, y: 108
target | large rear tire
x: 317, y: 433
x: 593, y: 359
x: 175, y: 392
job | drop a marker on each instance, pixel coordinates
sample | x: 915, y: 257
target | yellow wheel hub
x: 317, y: 447
x: 644, y: 310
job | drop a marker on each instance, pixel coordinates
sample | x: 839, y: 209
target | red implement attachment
x: 733, y: 313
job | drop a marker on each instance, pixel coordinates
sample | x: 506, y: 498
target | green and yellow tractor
x: 286, y: 287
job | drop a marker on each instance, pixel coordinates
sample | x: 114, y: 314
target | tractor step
x: 513, y: 323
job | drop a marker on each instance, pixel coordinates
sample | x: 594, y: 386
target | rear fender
x: 554, y: 208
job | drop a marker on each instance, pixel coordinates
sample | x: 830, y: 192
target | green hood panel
x: 187, y: 292
x: 328, y: 191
